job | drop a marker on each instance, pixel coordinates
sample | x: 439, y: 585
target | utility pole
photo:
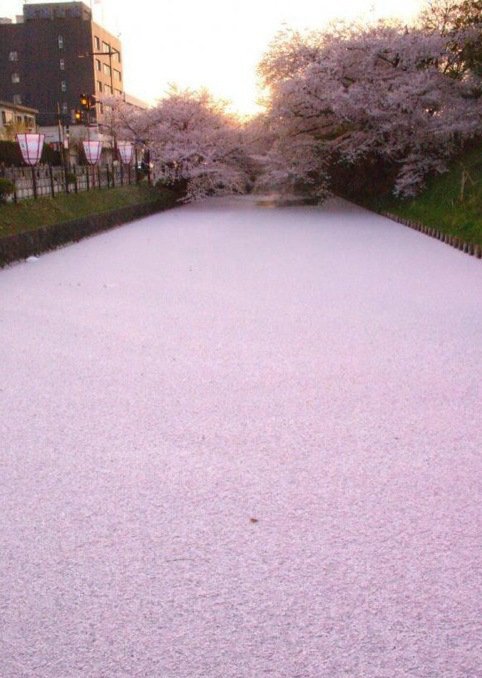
x: 61, y: 147
x: 110, y: 53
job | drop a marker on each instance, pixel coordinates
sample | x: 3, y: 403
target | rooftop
x: 17, y: 107
x: 57, y: 10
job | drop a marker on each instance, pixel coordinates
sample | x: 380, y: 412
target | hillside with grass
x: 451, y: 202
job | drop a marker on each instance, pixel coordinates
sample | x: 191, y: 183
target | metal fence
x: 48, y: 180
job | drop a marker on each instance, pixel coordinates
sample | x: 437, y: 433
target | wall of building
x: 52, y: 51
x: 47, y: 60
x: 103, y: 41
x: 12, y: 62
x: 15, y: 119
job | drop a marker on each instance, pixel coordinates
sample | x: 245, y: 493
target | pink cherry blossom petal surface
x: 239, y: 441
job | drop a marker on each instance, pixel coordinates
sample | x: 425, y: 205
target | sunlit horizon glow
x: 214, y: 45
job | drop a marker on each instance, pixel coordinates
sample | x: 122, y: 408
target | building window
x: 118, y: 54
x: 60, y: 41
x: 15, y: 77
x: 62, y: 64
x: 4, y: 118
x: 13, y: 56
x: 97, y: 43
x: 118, y: 74
x: 99, y: 86
x: 118, y: 92
x: 63, y: 86
x: 106, y: 69
x: 17, y: 99
x: 65, y: 107
x: 98, y: 65
x: 105, y: 47
x: 19, y: 119
x: 107, y: 89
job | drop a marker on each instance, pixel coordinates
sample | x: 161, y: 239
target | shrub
x: 10, y: 153
x: 6, y: 189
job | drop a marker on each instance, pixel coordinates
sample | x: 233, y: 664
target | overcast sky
x: 212, y: 43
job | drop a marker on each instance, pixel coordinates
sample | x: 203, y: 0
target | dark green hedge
x: 10, y: 155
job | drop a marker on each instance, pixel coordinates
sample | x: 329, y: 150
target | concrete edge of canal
x: 30, y: 243
x: 452, y: 240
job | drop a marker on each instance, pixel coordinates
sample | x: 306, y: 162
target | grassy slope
x: 440, y: 204
x: 31, y: 214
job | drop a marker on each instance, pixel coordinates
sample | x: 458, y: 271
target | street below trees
x: 241, y: 440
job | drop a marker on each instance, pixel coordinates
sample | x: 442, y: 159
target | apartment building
x: 53, y: 53
x: 16, y: 118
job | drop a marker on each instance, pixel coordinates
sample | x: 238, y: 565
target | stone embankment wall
x: 23, y: 245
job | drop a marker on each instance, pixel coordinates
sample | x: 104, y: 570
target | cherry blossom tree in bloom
x: 125, y: 121
x: 194, y: 143
x: 460, y: 22
x: 353, y: 93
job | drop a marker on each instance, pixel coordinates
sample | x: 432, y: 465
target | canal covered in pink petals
x: 241, y: 442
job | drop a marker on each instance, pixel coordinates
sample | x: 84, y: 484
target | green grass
x: 442, y: 204
x: 28, y: 215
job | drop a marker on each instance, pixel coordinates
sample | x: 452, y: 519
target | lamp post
x: 92, y: 150
x: 125, y: 152
x: 31, y: 146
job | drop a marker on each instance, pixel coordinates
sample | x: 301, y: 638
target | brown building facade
x: 54, y: 53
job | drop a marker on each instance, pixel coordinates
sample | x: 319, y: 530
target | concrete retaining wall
x: 22, y: 245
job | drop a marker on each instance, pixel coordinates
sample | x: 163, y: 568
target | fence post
x: 52, y: 187
x: 76, y: 188
x: 87, y: 170
x: 66, y: 179
x: 113, y: 175
x: 34, y: 182
x: 122, y: 173
x: 99, y: 176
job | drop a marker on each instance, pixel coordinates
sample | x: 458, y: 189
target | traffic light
x: 87, y: 101
x: 87, y: 104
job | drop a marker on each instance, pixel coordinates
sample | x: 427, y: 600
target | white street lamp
x: 31, y: 146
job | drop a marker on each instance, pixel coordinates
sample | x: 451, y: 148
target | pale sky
x: 213, y: 43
